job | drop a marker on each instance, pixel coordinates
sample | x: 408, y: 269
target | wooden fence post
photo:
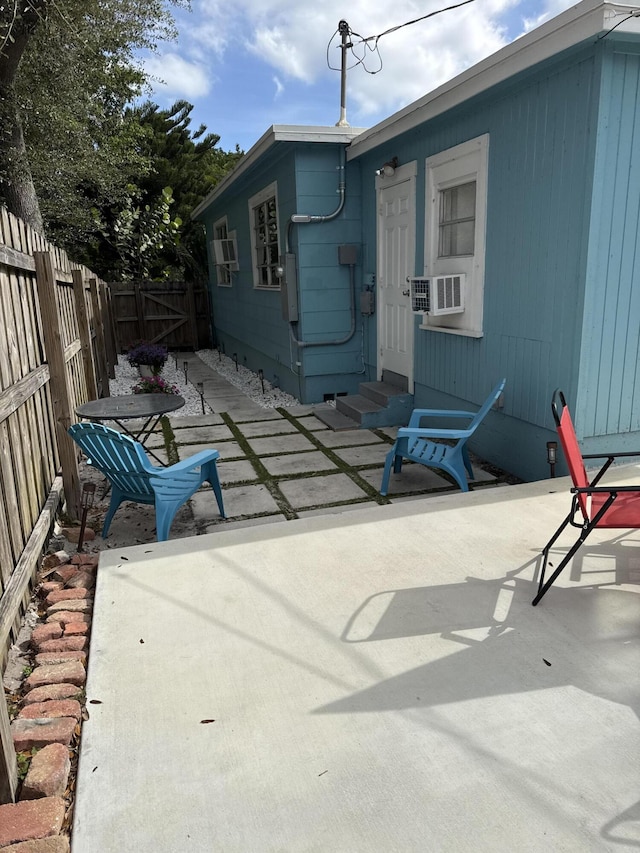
x: 60, y: 397
x: 85, y: 334
x: 100, y: 346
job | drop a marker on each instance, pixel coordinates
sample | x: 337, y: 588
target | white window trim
x: 466, y: 162
x: 254, y: 201
x: 231, y: 235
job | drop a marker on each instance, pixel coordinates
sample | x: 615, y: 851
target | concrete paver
x: 311, y: 491
x: 276, y: 444
x: 236, y: 471
x: 202, y: 434
x: 351, y: 438
x: 248, y: 499
x: 414, y: 478
x: 311, y: 423
x: 226, y: 449
x: 271, y: 427
x: 195, y: 420
x: 367, y: 454
x: 298, y: 463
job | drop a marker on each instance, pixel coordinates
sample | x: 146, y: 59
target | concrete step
x: 381, y: 392
x: 334, y: 419
x: 358, y: 408
x: 378, y: 404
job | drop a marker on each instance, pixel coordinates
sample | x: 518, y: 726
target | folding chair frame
x: 586, y: 525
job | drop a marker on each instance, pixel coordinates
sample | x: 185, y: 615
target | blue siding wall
x: 541, y: 153
x: 609, y: 394
x: 249, y: 322
x: 327, y: 288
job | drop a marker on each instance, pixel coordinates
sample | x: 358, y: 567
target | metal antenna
x: 343, y: 29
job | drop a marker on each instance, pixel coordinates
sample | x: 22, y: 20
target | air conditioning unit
x: 437, y: 295
x: 225, y: 253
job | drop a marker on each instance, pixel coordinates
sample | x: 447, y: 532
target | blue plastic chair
x: 133, y: 478
x: 414, y: 442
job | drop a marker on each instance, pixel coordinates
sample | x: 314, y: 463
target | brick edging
x: 46, y: 731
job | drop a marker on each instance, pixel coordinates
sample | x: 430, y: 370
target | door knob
x: 406, y: 292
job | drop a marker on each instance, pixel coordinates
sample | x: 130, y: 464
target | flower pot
x: 145, y: 370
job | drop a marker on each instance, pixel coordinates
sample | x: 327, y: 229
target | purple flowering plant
x: 155, y: 385
x: 144, y: 352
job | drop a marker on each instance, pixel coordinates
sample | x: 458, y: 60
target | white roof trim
x: 581, y: 22
x: 278, y: 133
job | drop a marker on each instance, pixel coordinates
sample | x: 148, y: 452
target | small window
x: 265, y: 238
x: 457, y: 225
x: 220, y: 237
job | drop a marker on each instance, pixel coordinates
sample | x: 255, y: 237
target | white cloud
x: 279, y: 87
x: 177, y: 76
x: 292, y: 39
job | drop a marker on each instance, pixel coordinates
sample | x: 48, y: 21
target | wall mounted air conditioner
x: 438, y: 294
x: 225, y: 253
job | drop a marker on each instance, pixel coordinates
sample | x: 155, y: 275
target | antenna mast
x: 343, y: 29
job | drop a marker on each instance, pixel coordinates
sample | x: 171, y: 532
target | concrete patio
x: 373, y: 680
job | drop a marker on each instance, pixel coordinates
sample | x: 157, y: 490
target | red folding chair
x: 592, y: 506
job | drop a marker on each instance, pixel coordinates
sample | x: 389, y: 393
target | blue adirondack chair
x: 133, y: 478
x: 414, y: 442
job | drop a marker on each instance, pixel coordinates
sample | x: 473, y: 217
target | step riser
x: 383, y: 397
x: 396, y: 413
x: 401, y: 382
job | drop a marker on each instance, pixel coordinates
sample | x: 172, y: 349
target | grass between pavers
x: 169, y: 440
x: 342, y: 466
x: 271, y: 481
x: 264, y: 476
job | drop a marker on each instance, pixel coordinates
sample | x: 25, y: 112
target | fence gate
x: 175, y: 314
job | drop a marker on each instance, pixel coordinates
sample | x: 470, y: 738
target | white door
x: 396, y: 260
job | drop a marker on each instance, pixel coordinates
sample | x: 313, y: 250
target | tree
x: 66, y: 69
x: 141, y: 234
x: 190, y: 163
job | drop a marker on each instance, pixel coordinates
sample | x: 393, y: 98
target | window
x: 457, y: 221
x: 224, y: 267
x: 263, y: 212
x: 456, y: 199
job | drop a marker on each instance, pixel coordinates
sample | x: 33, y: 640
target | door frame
x: 407, y: 172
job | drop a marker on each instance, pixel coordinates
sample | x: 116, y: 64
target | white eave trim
x: 278, y: 133
x: 584, y: 21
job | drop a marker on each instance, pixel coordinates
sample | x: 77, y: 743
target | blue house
x: 490, y: 229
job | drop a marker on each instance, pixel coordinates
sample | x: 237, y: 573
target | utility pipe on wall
x: 303, y: 219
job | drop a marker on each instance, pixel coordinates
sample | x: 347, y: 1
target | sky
x: 248, y: 64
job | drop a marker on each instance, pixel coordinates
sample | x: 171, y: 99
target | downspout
x: 303, y: 219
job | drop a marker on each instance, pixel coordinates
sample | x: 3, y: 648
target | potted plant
x: 144, y: 354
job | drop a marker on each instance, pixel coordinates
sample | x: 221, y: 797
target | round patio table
x: 126, y: 407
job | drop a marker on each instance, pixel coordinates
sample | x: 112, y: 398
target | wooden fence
x: 172, y: 313
x: 57, y: 350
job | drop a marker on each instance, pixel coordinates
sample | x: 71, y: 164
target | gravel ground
x: 242, y: 378
x: 247, y: 381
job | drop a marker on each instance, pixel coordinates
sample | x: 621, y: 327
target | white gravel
x: 242, y: 378
x: 247, y: 381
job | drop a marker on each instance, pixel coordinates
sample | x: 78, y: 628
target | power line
x: 416, y: 21
x: 370, y: 43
